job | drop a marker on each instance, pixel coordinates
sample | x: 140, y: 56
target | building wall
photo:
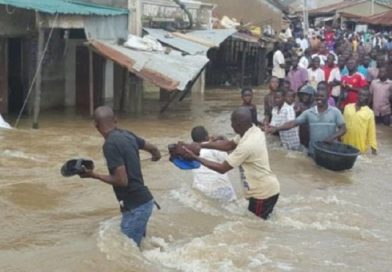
x: 53, y: 73
x: 8, y: 18
x: 365, y: 9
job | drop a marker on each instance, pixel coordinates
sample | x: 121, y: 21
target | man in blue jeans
x: 121, y: 151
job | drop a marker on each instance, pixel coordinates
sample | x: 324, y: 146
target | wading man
x: 121, y: 151
x: 249, y: 150
x: 325, y: 122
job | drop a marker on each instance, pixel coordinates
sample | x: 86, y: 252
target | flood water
x: 324, y: 221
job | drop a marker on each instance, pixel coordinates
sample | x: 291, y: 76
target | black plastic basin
x: 336, y: 156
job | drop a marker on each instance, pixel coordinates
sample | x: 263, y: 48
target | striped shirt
x: 288, y: 138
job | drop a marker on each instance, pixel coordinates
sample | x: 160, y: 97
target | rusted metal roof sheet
x: 172, y: 71
x: 384, y: 19
x: 70, y: 7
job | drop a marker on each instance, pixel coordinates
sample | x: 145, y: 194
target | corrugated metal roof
x: 332, y: 8
x: 177, y: 42
x: 194, y: 42
x: 171, y: 71
x: 214, y: 37
x: 64, y: 7
x: 345, y: 4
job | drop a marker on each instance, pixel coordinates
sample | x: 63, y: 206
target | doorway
x: 83, y: 79
x: 16, y: 92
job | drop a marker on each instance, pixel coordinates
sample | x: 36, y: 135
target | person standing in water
x: 361, y: 125
x: 249, y: 150
x: 326, y: 123
x: 247, y: 97
x: 121, y: 151
x: 211, y: 183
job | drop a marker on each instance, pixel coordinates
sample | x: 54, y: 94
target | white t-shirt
x: 315, y: 76
x: 303, y: 43
x: 277, y: 60
x: 211, y: 183
x: 335, y: 75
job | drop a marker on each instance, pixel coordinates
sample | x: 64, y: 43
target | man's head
x: 290, y: 97
x: 351, y: 65
x: 323, y: 49
x: 241, y: 120
x: 331, y: 60
x: 382, y: 73
x: 341, y: 62
x: 247, y: 95
x: 322, y: 85
x: 279, y: 98
x: 286, y: 86
x: 373, y: 54
x: 315, y: 63
x: 380, y: 60
x: 305, y: 94
x: 199, y: 134
x: 294, y: 61
x: 366, y: 61
x: 321, y: 97
x: 105, y: 120
x: 274, y: 83
x: 363, y: 98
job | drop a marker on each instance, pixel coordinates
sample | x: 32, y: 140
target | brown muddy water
x: 324, y: 221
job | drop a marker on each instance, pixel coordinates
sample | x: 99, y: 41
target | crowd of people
x: 334, y: 89
x: 340, y: 80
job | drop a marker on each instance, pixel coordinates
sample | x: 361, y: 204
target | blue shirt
x: 321, y: 124
x: 363, y: 71
x: 344, y: 71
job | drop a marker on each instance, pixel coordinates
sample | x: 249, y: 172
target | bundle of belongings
x: 180, y: 158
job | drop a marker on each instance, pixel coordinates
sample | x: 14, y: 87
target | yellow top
x: 361, y: 128
x: 252, y: 154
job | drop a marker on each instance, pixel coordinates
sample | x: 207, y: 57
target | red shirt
x: 357, y: 81
x: 329, y: 36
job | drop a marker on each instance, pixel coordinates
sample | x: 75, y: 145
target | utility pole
x: 135, y: 17
x: 372, y: 7
x: 306, y: 16
x: 38, y: 82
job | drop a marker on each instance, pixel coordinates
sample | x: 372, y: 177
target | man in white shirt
x: 302, y: 42
x: 278, y: 61
x: 315, y: 74
x: 211, y: 183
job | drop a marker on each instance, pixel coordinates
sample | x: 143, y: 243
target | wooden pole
x: 91, y: 81
x: 135, y: 17
x: 38, y: 82
x: 243, y: 65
